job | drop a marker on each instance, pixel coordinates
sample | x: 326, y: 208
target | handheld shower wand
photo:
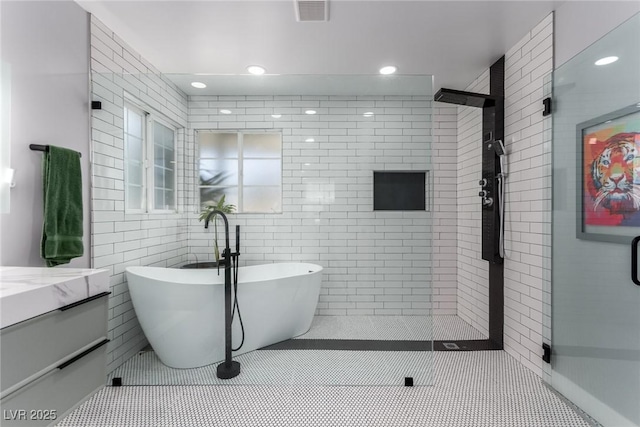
x: 498, y: 146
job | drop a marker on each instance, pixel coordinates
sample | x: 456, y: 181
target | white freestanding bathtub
x: 181, y: 311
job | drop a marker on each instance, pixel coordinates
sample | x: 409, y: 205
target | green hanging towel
x: 62, y: 228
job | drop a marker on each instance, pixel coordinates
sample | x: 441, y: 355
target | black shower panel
x: 492, y: 130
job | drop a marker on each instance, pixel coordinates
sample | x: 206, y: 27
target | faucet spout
x: 226, y: 225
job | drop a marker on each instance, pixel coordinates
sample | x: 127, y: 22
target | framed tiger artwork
x: 609, y: 170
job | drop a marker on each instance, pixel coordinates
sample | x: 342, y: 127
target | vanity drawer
x: 31, y: 346
x: 46, y: 400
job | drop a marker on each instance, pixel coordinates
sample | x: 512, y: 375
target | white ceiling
x: 452, y: 40
x: 306, y: 84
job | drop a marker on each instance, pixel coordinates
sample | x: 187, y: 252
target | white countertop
x: 27, y: 292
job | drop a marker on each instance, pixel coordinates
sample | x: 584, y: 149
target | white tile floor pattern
x: 325, y: 367
x: 483, y: 388
x: 289, y: 367
x: 391, y: 328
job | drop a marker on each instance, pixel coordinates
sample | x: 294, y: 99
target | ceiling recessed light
x: 225, y: 111
x: 389, y: 69
x: 310, y: 112
x: 198, y: 85
x: 307, y: 164
x: 276, y: 116
x: 368, y: 114
x: 256, y: 70
x: 309, y: 140
x: 607, y: 60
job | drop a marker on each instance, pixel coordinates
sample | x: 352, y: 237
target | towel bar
x: 38, y: 147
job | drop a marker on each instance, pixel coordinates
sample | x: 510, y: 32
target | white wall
x: 122, y: 239
x: 45, y: 46
x: 375, y: 263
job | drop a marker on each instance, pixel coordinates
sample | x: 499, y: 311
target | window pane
x: 211, y: 195
x: 169, y: 180
x: 218, y: 172
x: 163, y: 141
x: 158, y: 201
x: 134, y: 173
x: 163, y: 200
x: 134, y: 122
x: 167, y: 137
x: 218, y: 145
x: 169, y: 199
x: 134, y: 147
x: 262, y: 199
x: 134, y: 197
x: 164, y: 158
x: 164, y: 168
x: 158, y: 176
x: 158, y: 156
x: 262, y: 172
x: 262, y: 145
x: 160, y: 134
x: 169, y: 161
x: 134, y: 155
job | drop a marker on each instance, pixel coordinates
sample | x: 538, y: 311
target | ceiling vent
x: 312, y: 10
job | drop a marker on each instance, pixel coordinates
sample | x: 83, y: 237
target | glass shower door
x: 595, y: 303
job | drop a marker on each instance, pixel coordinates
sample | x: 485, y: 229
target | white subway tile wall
x: 121, y: 239
x: 375, y: 263
x: 444, y: 161
x: 528, y: 220
x: 473, y: 271
x: 528, y: 200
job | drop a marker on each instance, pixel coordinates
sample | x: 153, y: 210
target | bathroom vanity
x: 53, y: 335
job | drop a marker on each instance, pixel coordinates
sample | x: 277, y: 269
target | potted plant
x: 218, y: 206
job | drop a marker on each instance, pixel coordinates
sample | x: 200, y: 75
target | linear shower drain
x: 450, y: 346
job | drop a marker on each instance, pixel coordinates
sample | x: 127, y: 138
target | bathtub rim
x: 134, y: 269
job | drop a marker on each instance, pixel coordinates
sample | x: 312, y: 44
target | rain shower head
x: 460, y: 97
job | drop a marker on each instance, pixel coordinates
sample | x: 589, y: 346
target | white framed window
x: 244, y: 166
x: 135, y: 178
x: 149, y: 161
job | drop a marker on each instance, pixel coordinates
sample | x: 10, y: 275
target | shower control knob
x: 483, y: 194
x: 487, y: 201
x: 482, y: 182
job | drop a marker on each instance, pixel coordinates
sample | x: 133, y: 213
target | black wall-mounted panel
x: 492, y: 128
x: 399, y: 191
